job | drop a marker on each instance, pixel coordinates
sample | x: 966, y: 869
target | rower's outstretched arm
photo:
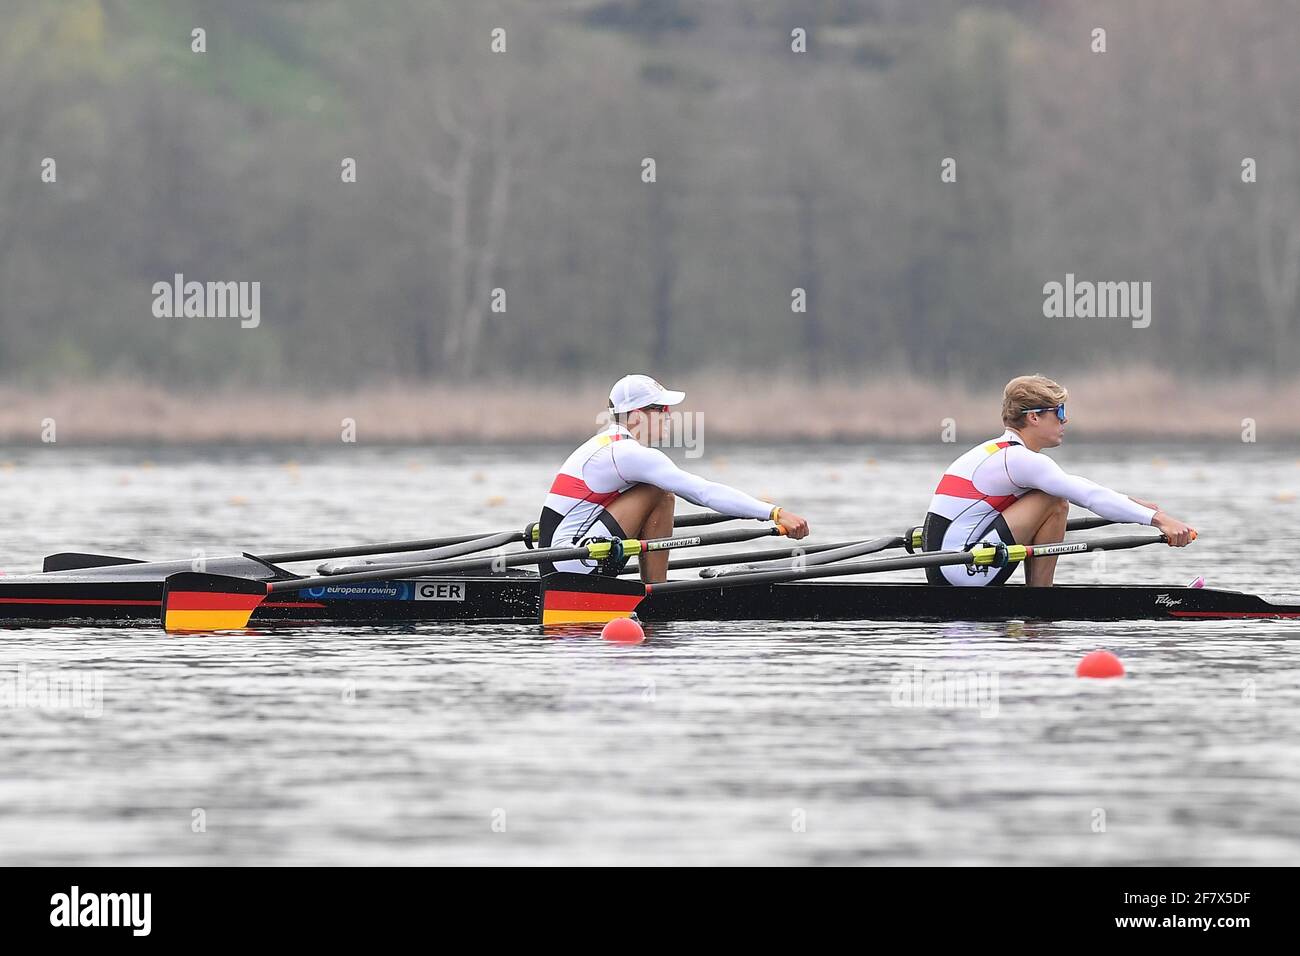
x: 637, y: 463
x: 1035, y: 470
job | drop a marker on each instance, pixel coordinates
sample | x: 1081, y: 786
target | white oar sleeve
x: 1029, y: 469
x: 636, y: 463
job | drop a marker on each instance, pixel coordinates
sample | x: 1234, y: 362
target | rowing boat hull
x: 100, y: 598
x: 846, y: 600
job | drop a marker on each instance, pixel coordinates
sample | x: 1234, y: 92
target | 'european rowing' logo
x: 380, y: 591
x: 1164, y: 600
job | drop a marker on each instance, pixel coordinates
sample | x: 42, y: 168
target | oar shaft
x: 827, y: 554
x: 701, y: 519
x: 386, y: 547
x: 853, y: 549
x: 1086, y: 523
x: 730, y: 557
x: 476, y: 546
x: 932, y: 559
x: 595, y: 550
x: 429, y: 544
x: 902, y: 563
x: 682, y: 521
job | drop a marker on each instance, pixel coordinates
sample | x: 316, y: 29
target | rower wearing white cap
x: 616, y: 486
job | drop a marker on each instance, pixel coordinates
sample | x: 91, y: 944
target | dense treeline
x: 523, y: 171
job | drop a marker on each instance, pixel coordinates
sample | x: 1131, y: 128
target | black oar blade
x: 77, y: 561
x: 210, y: 602
x: 587, y: 598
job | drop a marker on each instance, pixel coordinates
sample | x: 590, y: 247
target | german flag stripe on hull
x: 588, y: 598
x: 551, y: 618
x: 209, y: 611
x: 212, y: 601
x: 207, y: 620
x: 193, y: 601
x: 579, y: 607
x: 588, y: 601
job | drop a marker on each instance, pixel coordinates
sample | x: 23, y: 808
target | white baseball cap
x: 637, y: 391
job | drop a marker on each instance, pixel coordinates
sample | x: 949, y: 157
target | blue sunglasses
x: 1059, y: 409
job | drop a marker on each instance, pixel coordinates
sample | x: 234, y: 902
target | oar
x: 912, y: 537
x: 486, y: 543
x: 731, y: 557
x: 195, y: 601
x: 457, y: 550
x: 71, y: 560
x: 584, y: 607
x: 528, y: 535
x: 827, y: 554
x: 494, y: 539
x: 853, y: 549
x: 465, y: 543
x: 701, y: 518
x: 384, y: 547
x: 995, y: 556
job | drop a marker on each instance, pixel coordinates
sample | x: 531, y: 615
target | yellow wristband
x: 775, y: 515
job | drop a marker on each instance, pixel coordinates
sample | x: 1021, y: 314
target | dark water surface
x: 710, y: 743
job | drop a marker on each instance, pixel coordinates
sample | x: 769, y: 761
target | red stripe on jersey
x: 571, y: 487
x: 955, y: 487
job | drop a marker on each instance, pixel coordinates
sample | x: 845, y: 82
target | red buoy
x: 1100, y: 664
x: 623, y: 630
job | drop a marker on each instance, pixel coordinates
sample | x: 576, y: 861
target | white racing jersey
x: 608, y: 464
x: 987, y: 480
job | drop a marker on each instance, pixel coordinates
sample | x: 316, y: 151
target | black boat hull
x: 115, y: 596
x: 846, y: 600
